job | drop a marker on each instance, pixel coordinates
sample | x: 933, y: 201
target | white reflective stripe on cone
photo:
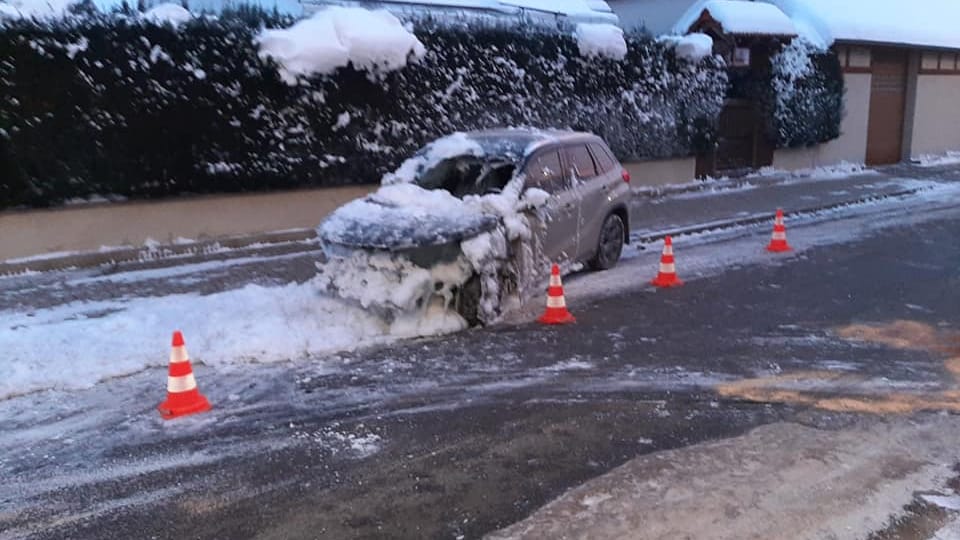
x: 778, y: 221
x: 181, y: 384
x: 179, y: 354
x: 668, y: 250
x: 554, y: 281
x: 779, y: 236
x: 556, y: 302
x: 668, y: 268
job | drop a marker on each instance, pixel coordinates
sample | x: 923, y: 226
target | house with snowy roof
x: 900, y: 61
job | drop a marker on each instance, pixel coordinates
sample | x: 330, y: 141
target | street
x: 844, y: 354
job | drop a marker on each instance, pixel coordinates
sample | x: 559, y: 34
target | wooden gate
x: 741, y: 144
x: 888, y: 100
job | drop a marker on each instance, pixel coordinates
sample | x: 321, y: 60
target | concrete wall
x: 661, y: 172
x: 936, y: 115
x: 851, y: 146
x: 84, y: 228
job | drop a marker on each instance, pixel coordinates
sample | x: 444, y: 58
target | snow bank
x: 36, y: 9
x: 77, y: 345
x: 168, y: 13
x: 951, y: 157
x: 599, y: 39
x: 929, y: 23
x: 739, y: 17
x: 338, y: 36
x: 693, y: 47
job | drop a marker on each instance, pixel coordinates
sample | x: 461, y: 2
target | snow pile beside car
x: 338, y: 36
x: 79, y: 344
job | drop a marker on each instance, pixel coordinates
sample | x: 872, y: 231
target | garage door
x: 888, y: 99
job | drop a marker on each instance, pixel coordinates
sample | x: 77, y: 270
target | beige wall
x: 661, y: 172
x: 83, y: 228
x: 936, y: 118
x: 851, y: 146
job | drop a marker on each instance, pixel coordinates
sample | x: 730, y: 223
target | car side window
x: 581, y: 161
x: 545, y: 171
x: 602, y: 158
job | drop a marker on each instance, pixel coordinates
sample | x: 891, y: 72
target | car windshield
x: 468, y: 175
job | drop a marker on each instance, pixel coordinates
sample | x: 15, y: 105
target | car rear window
x: 545, y: 172
x: 581, y: 160
x: 602, y: 157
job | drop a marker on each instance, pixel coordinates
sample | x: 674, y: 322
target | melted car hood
x: 404, y: 216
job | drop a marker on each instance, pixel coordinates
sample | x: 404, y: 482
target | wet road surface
x: 459, y: 436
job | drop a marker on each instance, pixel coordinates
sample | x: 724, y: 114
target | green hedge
x: 799, y: 93
x: 107, y: 104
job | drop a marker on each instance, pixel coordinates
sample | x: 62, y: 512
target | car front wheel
x: 610, y: 244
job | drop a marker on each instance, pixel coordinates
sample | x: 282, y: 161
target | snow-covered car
x: 471, y: 223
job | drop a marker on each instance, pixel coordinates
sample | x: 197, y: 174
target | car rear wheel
x: 610, y: 243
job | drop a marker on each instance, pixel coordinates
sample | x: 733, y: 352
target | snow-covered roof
x: 578, y: 10
x: 750, y: 18
x: 923, y: 23
x: 739, y: 17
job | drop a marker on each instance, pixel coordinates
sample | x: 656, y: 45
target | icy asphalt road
x: 462, y: 435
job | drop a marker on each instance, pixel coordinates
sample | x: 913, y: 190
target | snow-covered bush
x: 808, y: 95
x: 119, y: 104
x: 799, y: 93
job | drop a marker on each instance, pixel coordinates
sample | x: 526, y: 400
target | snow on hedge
x: 600, y: 39
x: 338, y: 36
x: 35, y: 9
x: 168, y: 13
x: 693, y: 47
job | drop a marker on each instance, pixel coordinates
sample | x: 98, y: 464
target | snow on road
x: 78, y: 344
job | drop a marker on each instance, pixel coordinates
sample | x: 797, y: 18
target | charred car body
x: 472, y: 221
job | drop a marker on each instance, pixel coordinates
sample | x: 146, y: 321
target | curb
x: 766, y: 217
x: 145, y: 254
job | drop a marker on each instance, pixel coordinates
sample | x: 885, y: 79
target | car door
x: 590, y: 187
x: 558, y: 235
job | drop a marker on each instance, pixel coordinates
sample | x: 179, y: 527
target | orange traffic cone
x: 778, y: 243
x: 183, y: 397
x: 667, y: 276
x: 556, y: 312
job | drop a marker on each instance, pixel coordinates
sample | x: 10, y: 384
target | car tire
x: 610, y: 243
x: 468, y: 300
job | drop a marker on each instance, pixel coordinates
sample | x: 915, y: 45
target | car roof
x: 530, y: 138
